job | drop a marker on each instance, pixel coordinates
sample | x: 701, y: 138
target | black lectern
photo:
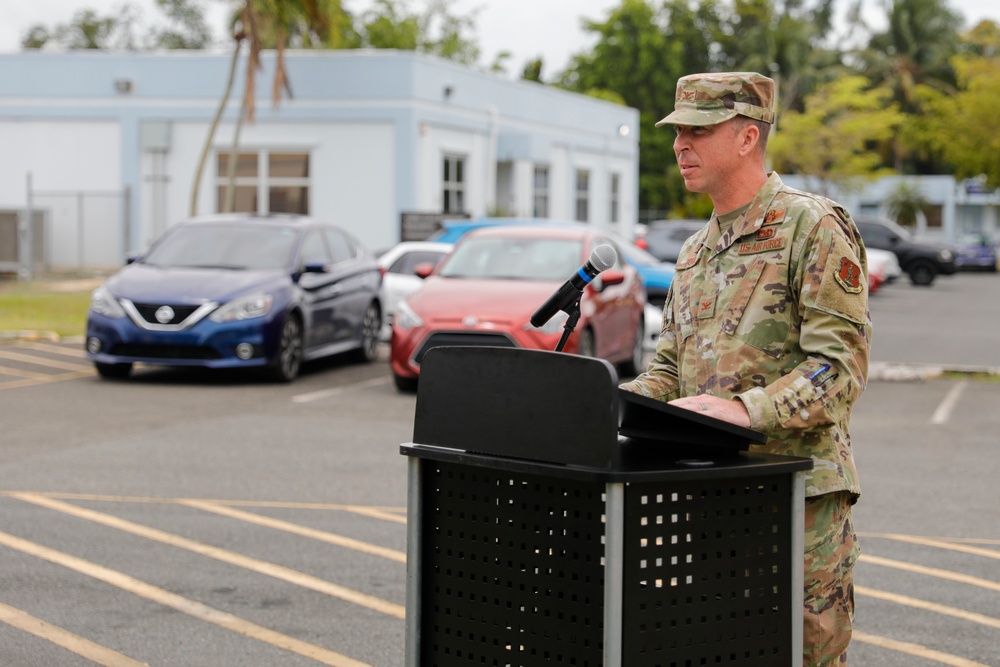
x: 555, y: 520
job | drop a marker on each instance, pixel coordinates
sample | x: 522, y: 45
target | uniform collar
x: 751, y: 220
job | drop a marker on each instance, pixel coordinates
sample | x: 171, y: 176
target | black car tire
x: 371, y: 326
x: 587, y: 347
x: 634, y: 364
x: 113, y: 371
x: 286, y: 364
x: 922, y: 273
x: 405, y: 384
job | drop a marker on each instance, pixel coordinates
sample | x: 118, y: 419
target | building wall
x: 376, y: 125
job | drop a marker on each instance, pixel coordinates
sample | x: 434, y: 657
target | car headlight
x: 244, y: 308
x: 103, y: 302
x: 557, y: 322
x: 406, y: 318
x: 946, y: 255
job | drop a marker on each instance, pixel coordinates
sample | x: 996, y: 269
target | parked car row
x: 273, y: 291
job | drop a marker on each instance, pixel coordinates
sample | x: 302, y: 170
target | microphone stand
x: 574, y: 317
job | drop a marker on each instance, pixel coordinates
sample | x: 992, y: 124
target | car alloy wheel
x: 371, y: 326
x: 289, y: 358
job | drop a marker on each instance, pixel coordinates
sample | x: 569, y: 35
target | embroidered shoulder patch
x: 849, y: 276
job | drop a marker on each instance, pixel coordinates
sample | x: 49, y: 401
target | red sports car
x: 486, y: 290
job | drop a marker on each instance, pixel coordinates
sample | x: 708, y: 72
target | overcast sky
x: 526, y: 28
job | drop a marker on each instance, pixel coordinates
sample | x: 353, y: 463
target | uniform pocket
x: 758, y: 310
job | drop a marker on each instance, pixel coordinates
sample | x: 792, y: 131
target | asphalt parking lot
x: 185, y: 518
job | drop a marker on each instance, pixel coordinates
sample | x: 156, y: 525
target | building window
x: 540, y: 205
x: 265, y: 181
x: 582, y: 195
x: 453, y: 184
x: 615, y: 180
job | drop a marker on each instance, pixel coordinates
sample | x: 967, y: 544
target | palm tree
x: 270, y: 24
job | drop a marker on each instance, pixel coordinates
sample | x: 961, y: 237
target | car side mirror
x: 423, y: 270
x: 608, y: 278
x: 315, y: 267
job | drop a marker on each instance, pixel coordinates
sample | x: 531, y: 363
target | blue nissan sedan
x: 239, y: 291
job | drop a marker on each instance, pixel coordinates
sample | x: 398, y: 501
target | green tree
x: 119, y: 30
x: 188, y: 29
x: 831, y: 140
x: 436, y: 31
x: 637, y: 60
x: 913, y: 52
x: 963, y: 126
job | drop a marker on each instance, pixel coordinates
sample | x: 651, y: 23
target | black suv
x: 921, y: 260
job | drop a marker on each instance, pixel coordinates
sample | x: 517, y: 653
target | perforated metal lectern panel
x: 707, y: 573
x: 512, y: 570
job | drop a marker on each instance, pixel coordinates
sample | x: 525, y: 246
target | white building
x: 106, y: 145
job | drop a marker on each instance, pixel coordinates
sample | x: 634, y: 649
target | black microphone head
x: 603, y: 257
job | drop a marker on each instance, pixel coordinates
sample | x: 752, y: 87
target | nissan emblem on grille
x: 164, y: 314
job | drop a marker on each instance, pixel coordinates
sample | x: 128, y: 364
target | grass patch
x: 36, y: 307
x: 977, y: 377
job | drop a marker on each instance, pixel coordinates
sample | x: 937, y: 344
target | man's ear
x: 749, y: 136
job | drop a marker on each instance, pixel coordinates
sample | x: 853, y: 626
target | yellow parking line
x: 938, y: 544
x: 394, y: 514
x: 76, y: 351
x: 296, y: 529
x: 931, y: 572
x: 261, y: 567
x: 42, y: 361
x: 20, y: 373
x: 915, y: 650
x: 926, y: 605
x: 69, y: 641
x: 44, y: 379
x: 184, y: 605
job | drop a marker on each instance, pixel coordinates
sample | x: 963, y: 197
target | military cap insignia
x: 849, y: 276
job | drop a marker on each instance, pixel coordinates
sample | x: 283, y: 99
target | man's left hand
x: 732, y: 411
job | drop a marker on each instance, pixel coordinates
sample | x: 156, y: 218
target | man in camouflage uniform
x: 767, y: 325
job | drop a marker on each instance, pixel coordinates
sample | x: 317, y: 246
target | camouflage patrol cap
x: 709, y: 99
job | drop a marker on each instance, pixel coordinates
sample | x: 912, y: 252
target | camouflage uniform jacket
x: 774, y: 313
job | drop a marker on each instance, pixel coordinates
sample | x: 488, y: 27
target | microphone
x: 602, y: 258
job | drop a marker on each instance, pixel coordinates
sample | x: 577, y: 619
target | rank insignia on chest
x: 753, y: 247
x: 849, y: 276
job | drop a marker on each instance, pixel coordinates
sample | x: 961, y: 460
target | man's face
x: 707, y: 156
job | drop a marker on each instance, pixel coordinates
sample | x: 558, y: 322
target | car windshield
x: 224, y: 246
x: 514, y: 258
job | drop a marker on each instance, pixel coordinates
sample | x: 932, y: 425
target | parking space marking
x: 936, y: 543
x: 916, y: 650
x: 61, y: 637
x: 931, y: 572
x: 75, y: 351
x: 43, y: 361
x: 296, y: 529
x: 336, y: 391
x: 43, y: 379
x: 223, y: 555
x: 944, y: 409
x: 383, y: 513
x: 927, y: 605
x: 184, y: 605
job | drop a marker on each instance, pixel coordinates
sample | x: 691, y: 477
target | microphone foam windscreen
x: 603, y: 257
